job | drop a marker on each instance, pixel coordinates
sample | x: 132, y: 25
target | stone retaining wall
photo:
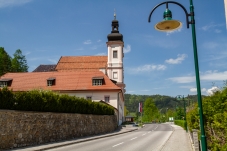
x: 20, y: 128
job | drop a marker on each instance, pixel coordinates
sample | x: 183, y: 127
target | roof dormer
x: 51, y: 81
x: 5, y: 82
x: 98, y: 81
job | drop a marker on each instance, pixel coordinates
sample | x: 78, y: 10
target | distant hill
x: 161, y: 101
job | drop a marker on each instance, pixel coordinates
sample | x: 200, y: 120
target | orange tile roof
x: 81, y: 63
x: 64, y: 81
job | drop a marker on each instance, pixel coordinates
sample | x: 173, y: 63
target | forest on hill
x: 162, y: 102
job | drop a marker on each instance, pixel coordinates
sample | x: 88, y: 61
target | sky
x: 154, y: 62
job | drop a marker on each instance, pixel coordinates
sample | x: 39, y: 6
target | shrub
x: 181, y: 123
x: 48, y: 101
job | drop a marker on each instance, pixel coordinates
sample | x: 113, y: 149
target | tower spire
x: 115, y: 14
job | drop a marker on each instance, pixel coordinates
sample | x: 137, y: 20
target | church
x: 98, y: 78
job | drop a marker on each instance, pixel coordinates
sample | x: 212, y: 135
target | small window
x: 97, y: 81
x: 89, y: 98
x: 50, y: 81
x: 114, y: 54
x: 107, y: 99
x: 3, y: 84
x: 115, y: 75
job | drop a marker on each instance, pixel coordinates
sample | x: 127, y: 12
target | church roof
x: 45, y: 68
x: 81, y: 63
x: 64, y: 81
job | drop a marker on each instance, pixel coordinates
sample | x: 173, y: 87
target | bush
x: 215, y: 120
x: 48, y: 101
x: 181, y: 123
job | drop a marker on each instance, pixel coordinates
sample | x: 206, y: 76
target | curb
x: 79, y: 141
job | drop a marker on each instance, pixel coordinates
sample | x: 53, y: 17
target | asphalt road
x: 150, y: 138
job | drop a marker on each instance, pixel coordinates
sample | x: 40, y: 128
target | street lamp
x: 168, y: 25
x: 179, y: 97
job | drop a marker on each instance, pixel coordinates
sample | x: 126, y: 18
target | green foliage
x: 181, y: 123
x: 161, y: 101
x: 48, y: 101
x: 5, y: 62
x: 179, y: 113
x: 150, y: 111
x: 215, y: 120
x: 19, y: 62
x: 126, y: 112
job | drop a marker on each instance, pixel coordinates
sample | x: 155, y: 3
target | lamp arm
x: 173, y: 2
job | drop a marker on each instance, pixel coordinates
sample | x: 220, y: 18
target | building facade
x: 98, y: 78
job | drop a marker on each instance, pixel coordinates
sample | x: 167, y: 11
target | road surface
x: 150, y: 138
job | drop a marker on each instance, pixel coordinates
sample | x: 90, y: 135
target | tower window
x: 115, y: 75
x: 114, y: 54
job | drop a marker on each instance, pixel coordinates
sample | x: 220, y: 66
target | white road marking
x: 155, y: 127
x: 144, y: 134
x: 118, y: 144
x: 133, y: 138
x: 149, y: 131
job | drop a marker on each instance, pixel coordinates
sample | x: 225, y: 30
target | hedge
x: 181, y: 123
x: 48, y: 101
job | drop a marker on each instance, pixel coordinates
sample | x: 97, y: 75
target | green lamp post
x: 169, y: 25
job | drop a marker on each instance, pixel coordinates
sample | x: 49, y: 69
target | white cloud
x: 53, y: 61
x: 207, y: 76
x: 99, y: 40
x: 79, y: 49
x: 145, y: 90
x: 87, y: 42
x: 148, y: 68
x: 186, y: 79
x: 195, y: 90
x: 27, y: 53
x: 210, y: 45
x: 178, y: 60
x: 217, y: 31
x: 127, y: 49
x: 167, y: 42
x: 174, y: 31
x: 210, y: 26
x: 101, y: 54
x: 212, y: 90
x: 10, y: 3
x: 94, y: 47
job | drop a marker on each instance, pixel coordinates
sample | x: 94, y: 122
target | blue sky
x: 154, y: 63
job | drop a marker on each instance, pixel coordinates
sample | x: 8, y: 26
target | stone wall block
x: 21, y: 128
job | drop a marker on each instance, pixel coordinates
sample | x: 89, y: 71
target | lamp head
x: 168, y: 24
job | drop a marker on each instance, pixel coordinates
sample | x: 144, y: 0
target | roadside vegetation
x: 215, y: 119
x: 48, y: 101
x: 157, y: 108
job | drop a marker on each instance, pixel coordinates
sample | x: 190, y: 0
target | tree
x: 150, y: 111
x: 19, y: 62
x: 125, y: 111
x: 5, y: 62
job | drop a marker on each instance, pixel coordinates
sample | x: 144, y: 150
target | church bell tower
x: 115, y: 44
